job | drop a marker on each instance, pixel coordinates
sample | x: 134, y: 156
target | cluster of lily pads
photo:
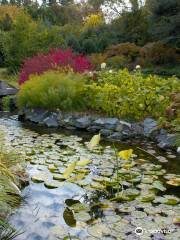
x: 122, y: 190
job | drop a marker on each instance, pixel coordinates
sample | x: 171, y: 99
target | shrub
x: 53, y: 60
x: 158, y: 53
x: 129, y: 50
x: 96, y: 59
x: 53, y: 90
x: 131, y: 96
x: 117, y: 62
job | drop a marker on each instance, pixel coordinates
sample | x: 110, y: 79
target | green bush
x: 53, y: 90
x: 27, y: 38
x: 117, y: 62
x: 131, y: 96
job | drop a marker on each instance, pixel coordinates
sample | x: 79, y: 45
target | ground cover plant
x: 132, y: 95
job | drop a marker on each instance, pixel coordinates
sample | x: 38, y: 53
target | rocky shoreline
x: 111, y: 128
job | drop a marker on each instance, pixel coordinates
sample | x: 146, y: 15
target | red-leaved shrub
x: 55, y: 59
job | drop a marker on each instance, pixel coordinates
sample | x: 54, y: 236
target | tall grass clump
x: 10, y: 195
x: 53, y: 90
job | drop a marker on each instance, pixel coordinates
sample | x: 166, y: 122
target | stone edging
x: 111, y: 128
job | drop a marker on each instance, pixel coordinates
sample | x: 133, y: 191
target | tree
x: 93, y: 20
x: 165, y: 20
x: 27, y: 38
x: 115, y: 8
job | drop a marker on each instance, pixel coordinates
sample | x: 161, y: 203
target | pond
x: 105, y: 197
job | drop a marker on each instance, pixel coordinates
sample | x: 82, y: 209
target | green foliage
x: 127, y: 49
x: 118, y: 62
x: 7, y: 232
x: 131, y: 96
x: 164, y: 21
x: 53, y: 90
x: 26, y: 38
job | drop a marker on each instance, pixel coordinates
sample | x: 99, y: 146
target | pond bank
x: 112, y: 129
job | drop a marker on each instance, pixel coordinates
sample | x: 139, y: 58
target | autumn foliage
x: 55, y: 59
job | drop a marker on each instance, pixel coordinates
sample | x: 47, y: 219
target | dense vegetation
x: 121, y: 94
x: 149, y: 31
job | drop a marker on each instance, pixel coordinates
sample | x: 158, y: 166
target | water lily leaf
x: 71, y: 202
x: 99, y: 230
x: 58, y: 177
x: 171, y: 200
x: 76, y: 178
x: 69, y: 170
x: 176, y: 220
x: 128, y: 166
x: 52, y: 184
x: 158, y: 185
x: 147, y: 198
x: 39, y: 178
x: 77, y: 207
x: 83, y: 163
x: 138, y: 214
x: 97, y: 185
x: 126, y: 154
x: 58, y: 231
x: 94, y: 141
x: 174, y: 182
x: 82, y: 216
x: 69, y: 217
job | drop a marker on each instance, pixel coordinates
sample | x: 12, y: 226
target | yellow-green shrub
x: 131, y: 96
x: 53, y: 90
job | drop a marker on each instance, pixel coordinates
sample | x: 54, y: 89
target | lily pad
x: 99, y: 230
x: 58, y: 231
x: 53, y: 184
x: 58, y: 177
x: 80, y: 207
x: 39, y: 178
x: 158, y: 185
x: 82, y: 216
x: 174, y: 182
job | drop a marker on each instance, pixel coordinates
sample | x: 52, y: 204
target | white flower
x: 178, y: 149
x: 103, y: 65
x: 110, y: 71
x: 138, y: 67
x: 91, y: 74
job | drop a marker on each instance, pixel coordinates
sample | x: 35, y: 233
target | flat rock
x: 51, y: 120
x: 150, y: 127
x: 83, y: 122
